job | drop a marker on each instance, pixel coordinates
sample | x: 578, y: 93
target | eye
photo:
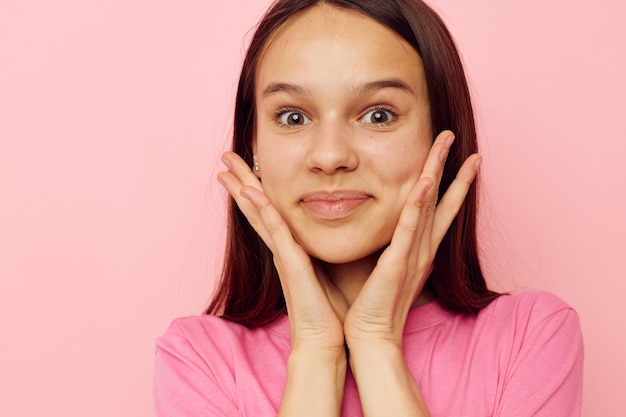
x: 379, y: 116
x: 291, y: 117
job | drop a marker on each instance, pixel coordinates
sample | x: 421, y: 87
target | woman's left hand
x: 379, y: 312
x: 374, y: 324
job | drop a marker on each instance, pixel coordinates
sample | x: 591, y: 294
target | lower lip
x: 333, y: 210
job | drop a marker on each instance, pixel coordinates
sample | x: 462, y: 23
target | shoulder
x: 530, y: 303
x: 197, y: 333
x: 210, y: 333
x: 539, y: 344
x: 199, y: 327
x: 209, y: 363
x: 522, y: 355
x: 531, y: 307
x: 513, y: 319
x: 531, y: 319
x: 214, y: 340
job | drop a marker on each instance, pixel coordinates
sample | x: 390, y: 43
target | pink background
x: 112, y: 117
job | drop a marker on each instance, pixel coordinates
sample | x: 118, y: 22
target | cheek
x: 276, y: 172
x: 404, y: 166
x: 273, y: 182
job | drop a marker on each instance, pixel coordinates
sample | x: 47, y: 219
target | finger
x: 233, y: 185
x: 400, y: 272
x: 299, y: 278
x: 433, y: 168
x: 238, y: 175
x: 417, y: 214
x: 402, y: 268
x: 435, y: 162
x: 311, y: 316
x: 289, y: 253
x: 238, y: 167
x: 453, y: 199
x: 413, y: 219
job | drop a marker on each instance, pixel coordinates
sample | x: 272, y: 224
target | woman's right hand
x: 315, y: 306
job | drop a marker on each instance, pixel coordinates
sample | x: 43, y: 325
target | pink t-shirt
x: 520, y: 356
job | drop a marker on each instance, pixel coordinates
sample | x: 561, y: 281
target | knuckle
x: 275, y: 225
x: 427, y: 208
x: 411, y: 227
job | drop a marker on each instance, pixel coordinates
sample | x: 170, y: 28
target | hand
x: 315, y: 306
x: 380, y: 310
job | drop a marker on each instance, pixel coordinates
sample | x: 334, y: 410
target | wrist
x: 335, y: 355
x: 385, y: 382
x: 380, y: 352
x: 374, y: 347
x: 315, y: 382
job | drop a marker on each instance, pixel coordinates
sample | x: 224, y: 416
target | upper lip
x: 337, y: 195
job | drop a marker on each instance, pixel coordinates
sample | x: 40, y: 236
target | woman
x: 352, y: 284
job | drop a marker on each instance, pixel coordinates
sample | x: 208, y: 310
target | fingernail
x: 220, y: 179
x: 245, y: 193
x: 427, y: 188
x: 449, y: 141
x: 226, y: 160
x: 443, y: 154
x: 477, y: 163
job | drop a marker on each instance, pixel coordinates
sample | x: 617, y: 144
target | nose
x: 332, y: 149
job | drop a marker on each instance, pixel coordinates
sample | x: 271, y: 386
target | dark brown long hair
x: 249, y: 292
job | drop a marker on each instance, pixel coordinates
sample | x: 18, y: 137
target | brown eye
x: 293, y: 118
x: 378, y: 117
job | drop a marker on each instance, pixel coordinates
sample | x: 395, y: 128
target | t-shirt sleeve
x: 544, y: 376
x: 185, y: 385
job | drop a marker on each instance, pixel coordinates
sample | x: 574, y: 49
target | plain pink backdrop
x: 112, y: 118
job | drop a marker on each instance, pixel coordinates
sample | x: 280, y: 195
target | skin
x: 347, y: 203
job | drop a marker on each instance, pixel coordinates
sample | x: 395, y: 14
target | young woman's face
x: 342, y: 130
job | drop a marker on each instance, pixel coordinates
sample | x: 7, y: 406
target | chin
x: 342, y: 256
x: 343, y: 247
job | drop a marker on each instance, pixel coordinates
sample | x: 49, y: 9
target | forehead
x: 336, y: 48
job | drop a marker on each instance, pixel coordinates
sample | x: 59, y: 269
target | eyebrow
x: 362, y: 89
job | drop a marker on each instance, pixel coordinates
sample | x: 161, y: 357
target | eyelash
x: 379, y: 107
x: 384, y: 108
x: 284, y: 110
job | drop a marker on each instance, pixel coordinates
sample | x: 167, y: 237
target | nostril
x: 332, y: 149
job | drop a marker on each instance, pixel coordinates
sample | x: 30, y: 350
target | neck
x: 350, y: 278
